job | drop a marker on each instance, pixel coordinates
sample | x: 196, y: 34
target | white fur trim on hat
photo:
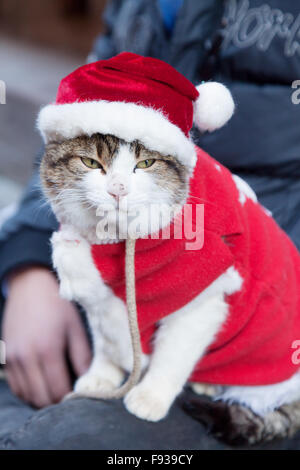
x: 214, y: 106
x: 127, y: 121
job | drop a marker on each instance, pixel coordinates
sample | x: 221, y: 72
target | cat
x: 81, y: 174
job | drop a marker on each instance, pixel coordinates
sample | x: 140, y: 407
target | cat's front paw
x: 91, y: 384
x: 99, y: 381
x: 147, y: 403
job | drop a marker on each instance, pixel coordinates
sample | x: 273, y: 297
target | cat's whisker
x: 202, y: 200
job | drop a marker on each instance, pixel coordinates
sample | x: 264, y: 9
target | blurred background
x: 40, y: 43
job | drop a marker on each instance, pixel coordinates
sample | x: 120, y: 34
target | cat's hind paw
x: 233, y: 424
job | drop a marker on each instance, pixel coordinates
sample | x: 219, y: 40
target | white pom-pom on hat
x: 214, y: 106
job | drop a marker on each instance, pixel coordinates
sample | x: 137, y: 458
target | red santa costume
x: 145, y: 99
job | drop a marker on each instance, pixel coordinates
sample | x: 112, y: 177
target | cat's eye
x: 91, y: 163
x: 145, y: 163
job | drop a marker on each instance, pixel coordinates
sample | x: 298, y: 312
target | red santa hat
x: 136, y: 98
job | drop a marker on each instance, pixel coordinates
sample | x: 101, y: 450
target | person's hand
x: 39, y: 328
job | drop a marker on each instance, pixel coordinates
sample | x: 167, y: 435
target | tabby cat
x: 81, y: 175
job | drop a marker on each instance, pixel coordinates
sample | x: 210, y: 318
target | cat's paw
x: 93, y: 384
x: 147, y: 403
x: 233, y: 424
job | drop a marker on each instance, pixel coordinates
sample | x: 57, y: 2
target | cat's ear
x: 214, y: 106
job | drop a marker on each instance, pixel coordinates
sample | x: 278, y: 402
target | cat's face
x: 103, y: 173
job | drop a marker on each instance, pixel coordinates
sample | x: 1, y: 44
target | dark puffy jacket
x: 252, y: 46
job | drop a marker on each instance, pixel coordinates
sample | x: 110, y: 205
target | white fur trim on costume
x: 214, y: 106
x: 245, y: 191
x: 127, y: 121
x: 264, y: 398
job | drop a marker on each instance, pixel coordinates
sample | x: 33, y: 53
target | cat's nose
x: 117, y: 189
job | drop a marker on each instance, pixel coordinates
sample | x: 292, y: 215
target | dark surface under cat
x: 87, y: 424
